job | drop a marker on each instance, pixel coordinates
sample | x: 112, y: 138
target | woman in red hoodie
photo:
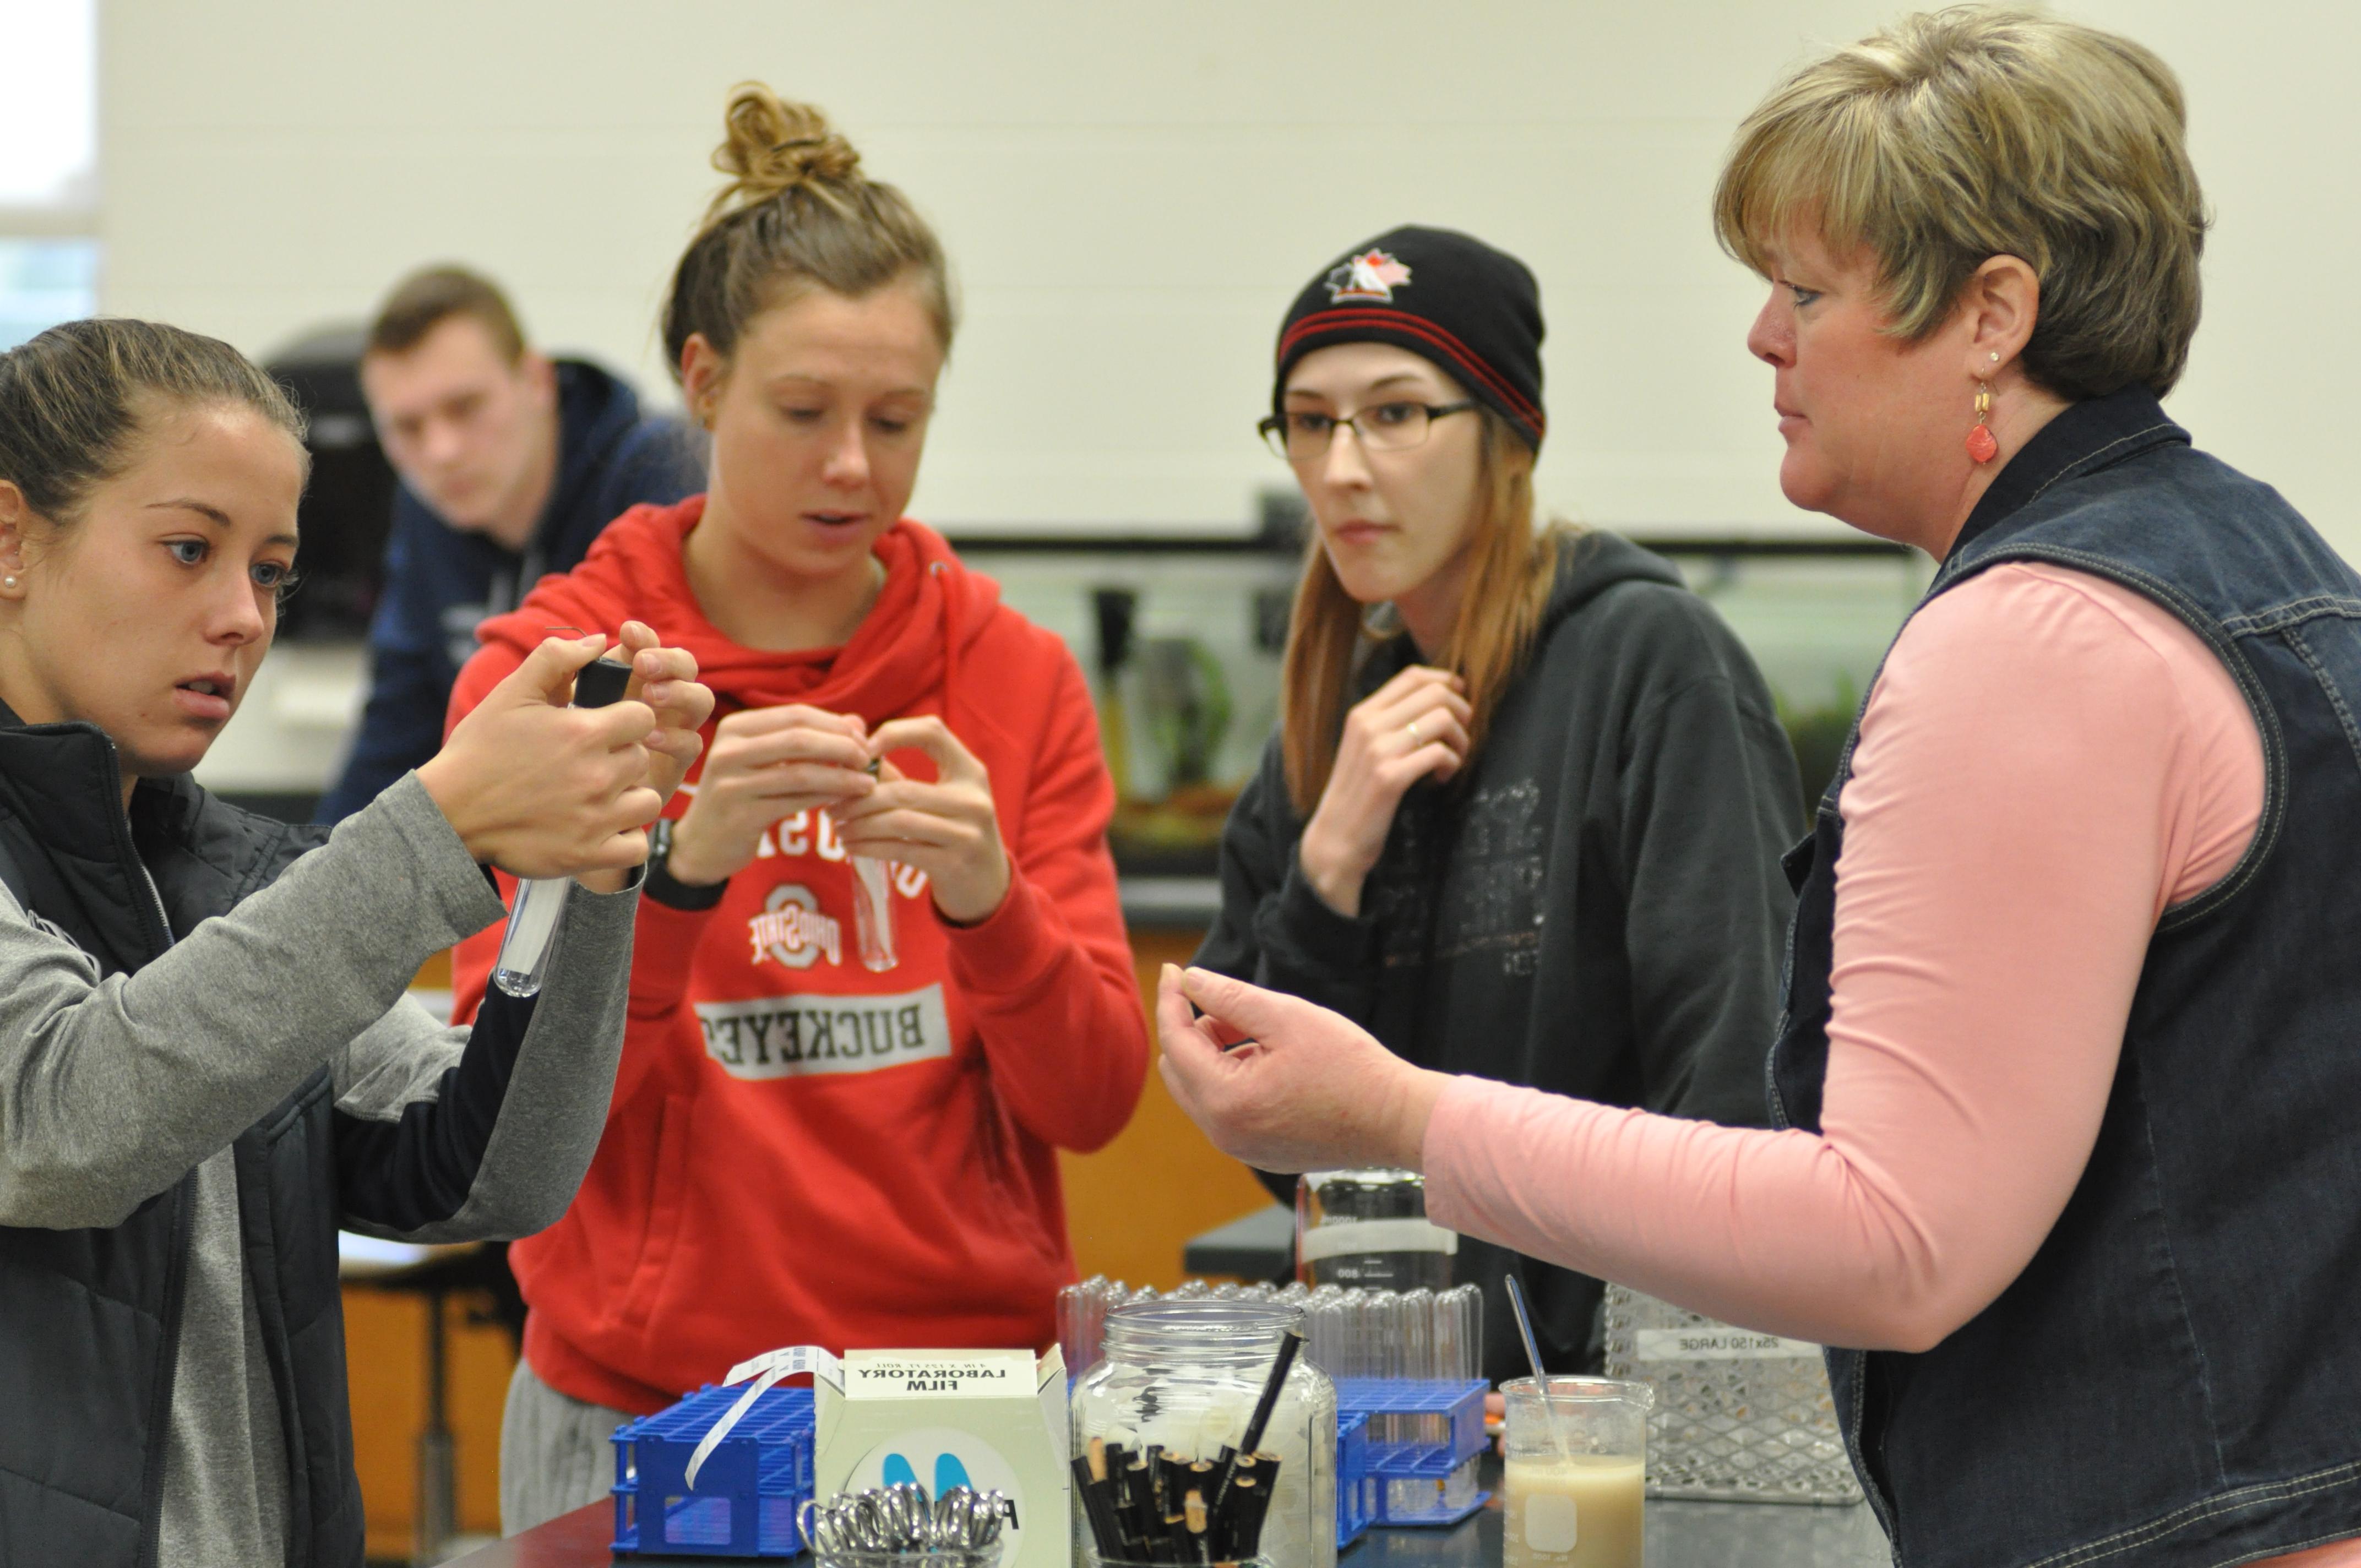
x: 881, y: 972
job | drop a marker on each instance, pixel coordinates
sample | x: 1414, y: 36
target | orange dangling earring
x: 1981, y: 446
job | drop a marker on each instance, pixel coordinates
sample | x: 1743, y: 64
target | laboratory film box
x: 991, y: 1419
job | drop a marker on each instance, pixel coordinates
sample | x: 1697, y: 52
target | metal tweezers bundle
x: 959, y: 1529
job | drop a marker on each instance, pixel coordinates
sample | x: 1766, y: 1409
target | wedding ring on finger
x: 1416, y: 738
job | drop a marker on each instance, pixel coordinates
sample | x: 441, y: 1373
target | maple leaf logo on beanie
x: 1477, y: 314
x: 1372, y: 274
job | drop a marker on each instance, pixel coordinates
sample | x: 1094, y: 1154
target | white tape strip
x: 1717, y: 1344
x: 1340, y: 1237
x: 765, y: 1369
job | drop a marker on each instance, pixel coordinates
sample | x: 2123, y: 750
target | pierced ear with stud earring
x: 1983, y: 447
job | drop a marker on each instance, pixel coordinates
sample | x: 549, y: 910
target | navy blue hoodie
x: 440, y: 582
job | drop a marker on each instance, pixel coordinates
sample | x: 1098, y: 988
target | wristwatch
x: 665, y: 889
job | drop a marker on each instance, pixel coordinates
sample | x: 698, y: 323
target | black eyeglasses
x: 1300, y: 435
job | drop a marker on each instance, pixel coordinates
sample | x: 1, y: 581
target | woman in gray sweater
x: 207, y: 1061
x: 1525, y: 814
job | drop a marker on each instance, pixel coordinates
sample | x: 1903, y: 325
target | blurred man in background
x: 511, y: 463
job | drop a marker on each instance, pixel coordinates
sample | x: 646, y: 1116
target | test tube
x: 1418, y: 1333
x: 1470, y: 1302
x: 1074, y: 1338
x: 872, y: 913
x: 1449, y: 1355
x: 1420, y: 1309
x: 540, y: 901
x: 1393, y: 1310
x: 1320, y: 1335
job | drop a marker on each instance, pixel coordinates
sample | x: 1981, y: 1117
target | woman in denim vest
x: 2062, y: 1084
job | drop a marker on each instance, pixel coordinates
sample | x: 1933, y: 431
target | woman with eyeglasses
x: 1524, y: 778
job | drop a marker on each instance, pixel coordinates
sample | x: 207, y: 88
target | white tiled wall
x: 1131, y: 194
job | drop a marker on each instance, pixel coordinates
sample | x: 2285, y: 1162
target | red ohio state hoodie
x: 801, y: 1150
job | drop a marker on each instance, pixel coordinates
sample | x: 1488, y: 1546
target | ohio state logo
x: 793, y: 931
x: 1372, y: 274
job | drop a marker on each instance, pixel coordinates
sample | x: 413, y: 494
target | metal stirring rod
x: 1533, y: 1354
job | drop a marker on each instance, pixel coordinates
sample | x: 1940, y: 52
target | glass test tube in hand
x: 872, y: 913
x: 540, y: 901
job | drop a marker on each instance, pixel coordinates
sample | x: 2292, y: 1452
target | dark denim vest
x: 2176, y: 1377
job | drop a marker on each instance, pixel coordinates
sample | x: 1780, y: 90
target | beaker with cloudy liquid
x: 1574, y: 1484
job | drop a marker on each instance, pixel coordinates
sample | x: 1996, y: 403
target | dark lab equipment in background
x: 1273, y: 609
x: 1283, y: 518
x: 348, y: 506
x: 1113, y: 610
x: 1186, y: 700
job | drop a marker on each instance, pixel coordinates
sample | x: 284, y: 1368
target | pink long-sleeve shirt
x: 2047, y: 762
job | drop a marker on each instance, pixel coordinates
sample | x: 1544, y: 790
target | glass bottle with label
x: 1369, y: 1228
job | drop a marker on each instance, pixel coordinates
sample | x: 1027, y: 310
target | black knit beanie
x: 1449, y: 297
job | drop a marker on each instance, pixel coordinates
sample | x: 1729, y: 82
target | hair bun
x: 775, y: 147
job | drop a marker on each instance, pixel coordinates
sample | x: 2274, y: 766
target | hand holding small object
x: 1414, y: 727
x: 1308, y: 1089
x: 767, y: 764
x: 540, y: 789
x: 949, y: 830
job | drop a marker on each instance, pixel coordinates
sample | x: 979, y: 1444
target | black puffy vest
x: 89, y: 1319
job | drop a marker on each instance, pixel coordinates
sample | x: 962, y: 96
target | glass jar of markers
x: 1160, y: 1427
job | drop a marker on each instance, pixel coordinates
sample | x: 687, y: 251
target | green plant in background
x: 1186, y: 697
x: 1818, y: 735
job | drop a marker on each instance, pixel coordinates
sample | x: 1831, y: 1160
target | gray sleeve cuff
x: 112, y: 1090
x: 554, y: 1110
x: 403, y: 822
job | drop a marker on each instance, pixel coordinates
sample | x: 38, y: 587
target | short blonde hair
x: 1959, y: 135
